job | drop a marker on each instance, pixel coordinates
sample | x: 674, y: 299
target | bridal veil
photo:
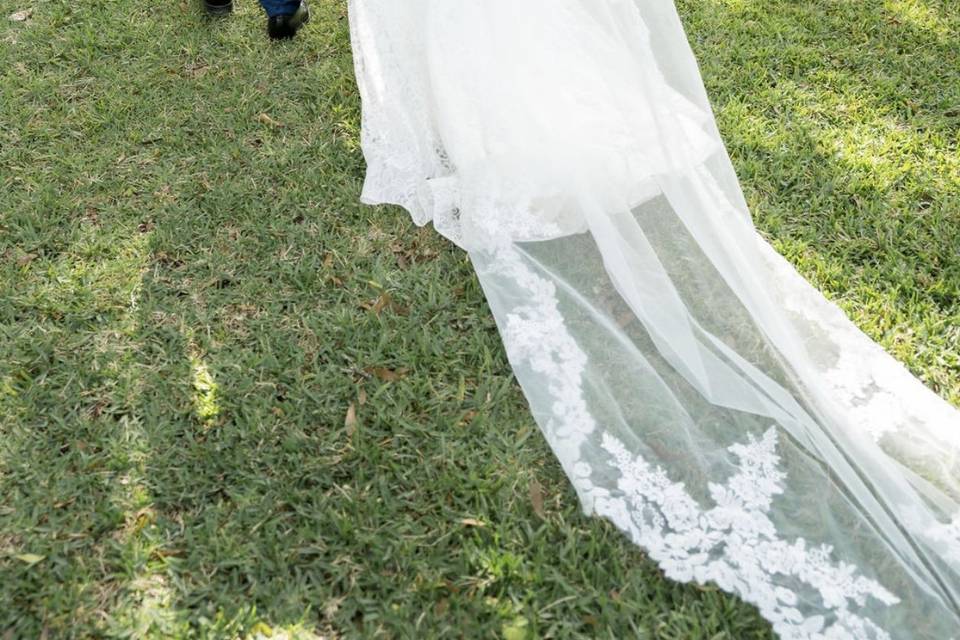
x: 697, y: 391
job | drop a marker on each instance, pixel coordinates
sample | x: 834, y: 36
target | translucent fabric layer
x: 697, y: 391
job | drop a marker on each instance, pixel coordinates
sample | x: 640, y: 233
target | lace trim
x: 535, y: 335
x: 733, y: 544
x: 862, y: 375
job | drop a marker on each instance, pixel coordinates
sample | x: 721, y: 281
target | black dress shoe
x: 282, y: 27
x: 218, y: 7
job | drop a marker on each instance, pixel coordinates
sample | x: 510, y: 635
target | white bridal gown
x: 697, y: 391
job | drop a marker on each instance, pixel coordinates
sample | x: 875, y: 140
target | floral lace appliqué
x: 535, y: 336
x: 735, y: 544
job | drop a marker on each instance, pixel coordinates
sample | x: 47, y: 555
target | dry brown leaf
x: 196, y: 69
x: 387, y: 375
x: 26, y: 259
x: 536, y: 498
x: 21, y: 16
x: 382, y: 302
x: 470, y: 522
x: 267, y: 120
x: 350, y: 421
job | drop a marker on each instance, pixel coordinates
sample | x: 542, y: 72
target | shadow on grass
x: 842, y: 120
x: 412, y: 516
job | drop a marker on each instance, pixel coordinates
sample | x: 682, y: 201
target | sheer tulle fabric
x: 697, y: 391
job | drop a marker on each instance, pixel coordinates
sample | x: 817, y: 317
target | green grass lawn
x: 233, y: 401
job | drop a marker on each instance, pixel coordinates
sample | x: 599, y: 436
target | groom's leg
x: 285, y: 17
x: 276, y: 8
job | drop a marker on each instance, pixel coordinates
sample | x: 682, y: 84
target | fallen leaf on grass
x: 381, y: 303
x: 267, y: 120
x: 196, y: 69
x: 21, y: 16
x: 407, y: 254
x: 26, y: 259
x: 30, y: 558
x: 387, y: 375
x: 536, y: 498
x: 384, y: 301
x: 470, y: 522
x: 350, y: 421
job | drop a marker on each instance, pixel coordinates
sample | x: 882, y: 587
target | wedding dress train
x: 697, y: 391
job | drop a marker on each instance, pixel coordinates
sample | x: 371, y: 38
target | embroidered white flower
x: 536, y: 336
x: 735, y: 544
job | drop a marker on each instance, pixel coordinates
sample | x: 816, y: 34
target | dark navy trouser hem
x: 280, y: 7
